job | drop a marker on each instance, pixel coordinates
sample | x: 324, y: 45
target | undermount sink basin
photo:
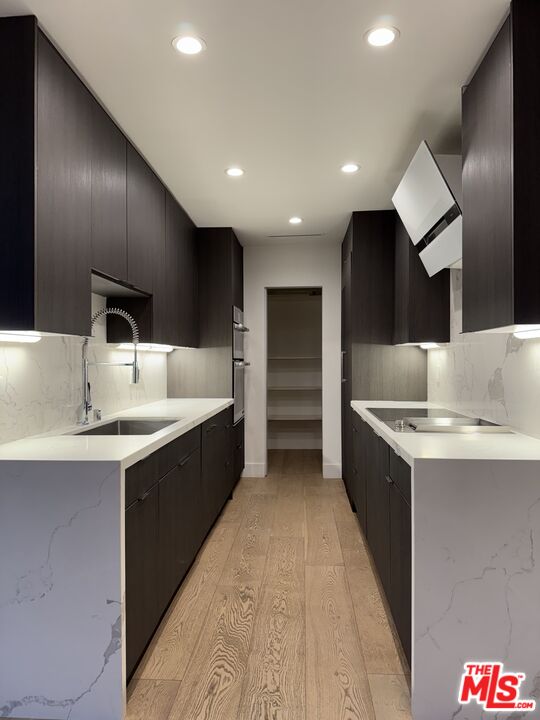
x: 129, y: 427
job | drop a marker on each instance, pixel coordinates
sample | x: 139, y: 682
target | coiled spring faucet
x: 87, y: 395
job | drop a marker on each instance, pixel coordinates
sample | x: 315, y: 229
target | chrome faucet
x: 87, y: 395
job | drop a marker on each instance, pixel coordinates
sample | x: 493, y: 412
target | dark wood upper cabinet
x: 501, y: 178
x: 109, y: 228
x: 63, y: 195
x: 372, y: 277
x: 238, y: 273
x: 145, y: 221
x: 176, y: 294
x: 45, y: 193
x: 422, y: 304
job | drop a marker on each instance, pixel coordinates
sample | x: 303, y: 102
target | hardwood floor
x: 281, y: 616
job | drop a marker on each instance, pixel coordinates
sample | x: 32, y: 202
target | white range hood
x: 428, y: 201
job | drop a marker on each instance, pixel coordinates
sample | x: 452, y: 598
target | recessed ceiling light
x: 295, y: 220
x: 234, y: 172
x: 429, y: 346
x: 350, y: 168
x: 381, y: 36
x: 188, y: 44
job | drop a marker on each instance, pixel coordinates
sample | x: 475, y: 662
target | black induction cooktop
x: 394, y: 414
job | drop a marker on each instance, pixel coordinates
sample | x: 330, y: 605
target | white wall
x: 41, y: 384
x: 298, y: 265
x: 491, y: 375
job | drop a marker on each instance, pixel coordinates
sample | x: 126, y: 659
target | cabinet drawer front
x: 177, y: 450
x: 141, y: 476
x: 400, y: 472
x: 220, y: 420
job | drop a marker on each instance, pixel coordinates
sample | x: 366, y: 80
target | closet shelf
x: 294, y: 418
x: 295, y: 387
x: 298, y: 357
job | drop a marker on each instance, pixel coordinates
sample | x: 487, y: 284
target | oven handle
x: 241, y: 364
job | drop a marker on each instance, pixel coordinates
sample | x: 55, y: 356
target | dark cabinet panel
x: 378, y: 511
x: 217, y: 463
x: 400, y: 473
x: 372, y: 277
x: 181, y: 531
x: 400, y: 567
x: 487, y: 190
x: 347, y: 467
x: 171, y: 556
x: 109, y: 233
x: 145, y: 221
x: 17, y: 167
x: 501, y: 147
x: 239, y: 450
x: 422, y: 304
x: 191, y: 522
x: 175, y: 299
x: 63, y: 196
x: 238, y: 273
x: 142, y: 606
x: 361, y: 436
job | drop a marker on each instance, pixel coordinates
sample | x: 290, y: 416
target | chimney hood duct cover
x: 428, y: 200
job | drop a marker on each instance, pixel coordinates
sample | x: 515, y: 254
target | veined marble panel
x: 476, y: 579
x: 492, y: 375
x: 41, y: 383
x: 61, y: 591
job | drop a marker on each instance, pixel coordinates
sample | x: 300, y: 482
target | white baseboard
x: 331, y: 471
x: 254, y: 470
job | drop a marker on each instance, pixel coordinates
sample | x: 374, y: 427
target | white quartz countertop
x: 125, y: 449
x: 447, y: 446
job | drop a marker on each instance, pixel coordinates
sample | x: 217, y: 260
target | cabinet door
x: 176, y: 289
x: 142, y: 609
x: 63, y: 203
x: 239, y: 451
x: 488, y: 212
x: 400, y: 567
x: 378, y: 511
x: 145, y: 221
x: 373, y: 276
x: 360, y: 465
x: 238, y: 273
x: 192, y: 525
x: 171, y: 554
x: 216, y: 464
x: 109, y: 234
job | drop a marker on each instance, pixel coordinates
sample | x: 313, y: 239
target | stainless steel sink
x: 129, y: 426
x: 454, y: 425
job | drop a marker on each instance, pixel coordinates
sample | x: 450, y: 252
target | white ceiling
x: 287, y: 89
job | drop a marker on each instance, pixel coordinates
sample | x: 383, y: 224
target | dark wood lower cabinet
x: 382, y: 496
x: 173, y: 498
x: 378, y: 499
x: 217, y: 463
x: 180, y: 531
x: 360, y: 431
x: 239, y: 450
x: 400, y: 567
x: 142, y: 540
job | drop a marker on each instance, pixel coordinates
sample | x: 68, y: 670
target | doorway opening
x: 294, y: 379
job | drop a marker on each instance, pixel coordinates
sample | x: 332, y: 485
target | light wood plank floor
x: 280, y: 618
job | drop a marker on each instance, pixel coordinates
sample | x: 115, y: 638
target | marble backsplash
x: 491, y: 375
x: 41, y: 383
